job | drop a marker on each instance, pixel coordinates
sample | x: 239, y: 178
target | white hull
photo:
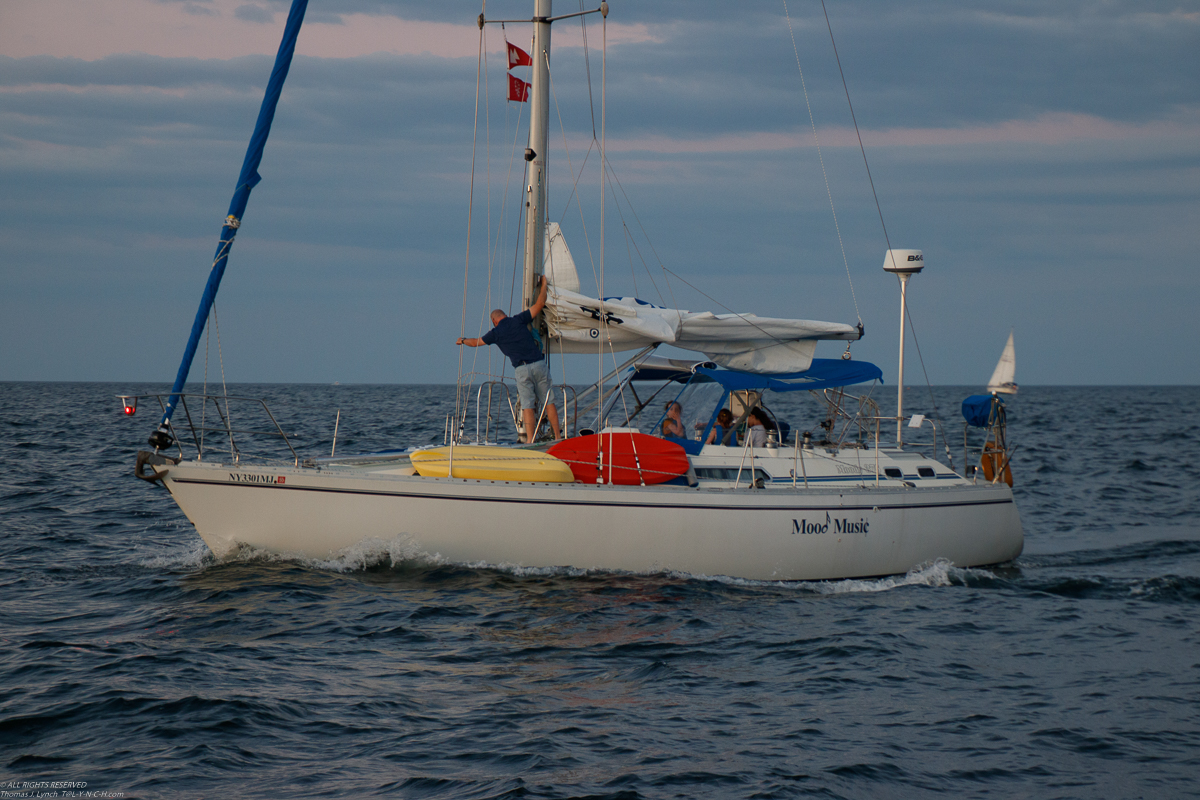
x: 776, y: 533
x: 818, y: 513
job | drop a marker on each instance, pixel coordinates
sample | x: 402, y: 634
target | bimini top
x: 824, y: 373
x: 658, y: 368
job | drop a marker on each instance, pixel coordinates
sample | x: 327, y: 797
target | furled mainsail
x: 766, y: 345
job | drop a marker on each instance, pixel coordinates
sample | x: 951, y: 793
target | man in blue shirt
x: 532, y: 373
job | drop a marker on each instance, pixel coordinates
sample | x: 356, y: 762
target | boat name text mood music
x: 839, y: 525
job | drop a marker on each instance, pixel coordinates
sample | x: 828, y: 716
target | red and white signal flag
x: 517, y: 57
x: 518, y: 90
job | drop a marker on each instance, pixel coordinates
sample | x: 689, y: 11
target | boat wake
x: 939, y: 572
x: 401, y: 553
x: 365, y: 555
x: 191, y: 555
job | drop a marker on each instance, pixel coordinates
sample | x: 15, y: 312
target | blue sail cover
x: 824, y: 373
x: 247, y: 180
x: 977, y: 409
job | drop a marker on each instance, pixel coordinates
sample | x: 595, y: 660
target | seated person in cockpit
x: 673, y: 424
x: 757, y: 425
x: 723, y: 432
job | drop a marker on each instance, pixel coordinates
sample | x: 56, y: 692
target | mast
x: 536, y: 153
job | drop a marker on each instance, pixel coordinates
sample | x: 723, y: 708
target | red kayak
x: 629, y: 458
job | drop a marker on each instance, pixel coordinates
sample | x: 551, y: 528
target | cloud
x: 1030, y: 151
x: 198, y: 10
x: 938, y: 62
x: 253, y: 13
x: 1046, y: 129
x: 219, y: 29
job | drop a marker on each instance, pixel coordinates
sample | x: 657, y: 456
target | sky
x: 1045, y: 156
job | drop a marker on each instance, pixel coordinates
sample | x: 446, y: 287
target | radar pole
x: 903, y: 264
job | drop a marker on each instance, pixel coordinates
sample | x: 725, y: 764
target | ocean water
x: 135, y: 664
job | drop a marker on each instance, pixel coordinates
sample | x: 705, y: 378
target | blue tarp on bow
x: 977, y: 409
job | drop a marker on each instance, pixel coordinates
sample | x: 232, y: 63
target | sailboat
x: 987, y: 411
x: 1002, y: 380
x: 715, y: 498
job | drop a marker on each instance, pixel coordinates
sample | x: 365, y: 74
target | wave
x: 1170, y: 549
x: 1160, y: 589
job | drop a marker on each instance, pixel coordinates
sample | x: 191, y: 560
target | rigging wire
x: 587, y: 68
x: 459, y: 396
x: 512, y: 291
x: 487, y: 116
x: 213, y: 324
x: 500, y: 226
x: 597, y: 276
x: 524, y: 181
x: 629, y: 252
x: 574, y: 195
x: 878, y: 206
x: 221, y: 361
x: 577, y: 176
x: 204, y: 400
x: 603, y: 134
x: 571, y: 167
x: 613, y: 173
x: 854, y: 119
x: 607, y: 333
x: 929, y: 386
x: 493, y: 244
x: 604, y: 317
x: 742, y: 317
x: 487, y: 108
x: 820, y: 156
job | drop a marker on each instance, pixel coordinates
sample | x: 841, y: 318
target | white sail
x: 745, y: 342
x: 574, y: 323
x: 559, y: 266
x: 1006, y: 369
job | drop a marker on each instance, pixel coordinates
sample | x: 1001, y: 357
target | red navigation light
x: 129, y: 405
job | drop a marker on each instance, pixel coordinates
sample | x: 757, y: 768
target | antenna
x: 903, y: 264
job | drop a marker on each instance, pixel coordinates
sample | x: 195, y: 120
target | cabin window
x: 729, y: 474
x: 926, y: 472
x: 893, y: 472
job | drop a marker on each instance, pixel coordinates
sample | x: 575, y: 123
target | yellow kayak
x: 481, y: 463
